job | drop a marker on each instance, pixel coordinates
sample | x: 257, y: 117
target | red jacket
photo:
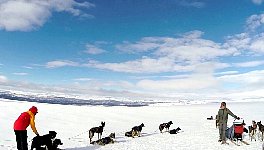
x: 26, y: 119
x: 22, y: 121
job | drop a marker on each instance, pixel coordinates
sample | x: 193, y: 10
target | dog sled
x: 235, y: 133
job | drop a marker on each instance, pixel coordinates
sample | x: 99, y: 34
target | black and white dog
x: 165, y: 125
x: 136, y: 130
x: 106, y: 140
x: 46, y: 141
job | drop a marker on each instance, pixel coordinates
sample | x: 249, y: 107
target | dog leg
x: 251, y: 135
x: 91, y: 134
x: 160, y: 128
x: 32, y: 147
x: 49, y: 146
x: 133, y: 133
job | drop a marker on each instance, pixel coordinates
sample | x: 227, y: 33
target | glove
x: 37, y: 134
x: 237, y: 118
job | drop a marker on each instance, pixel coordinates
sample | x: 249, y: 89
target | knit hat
x: 34, y: 110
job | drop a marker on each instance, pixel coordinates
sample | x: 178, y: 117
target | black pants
x: 21, y: 139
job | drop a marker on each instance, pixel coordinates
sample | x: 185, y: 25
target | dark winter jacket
x: 222, y: 116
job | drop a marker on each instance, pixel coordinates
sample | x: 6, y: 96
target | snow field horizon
x: 72, y: 123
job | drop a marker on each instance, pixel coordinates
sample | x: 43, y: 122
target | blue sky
x: 133, y: 48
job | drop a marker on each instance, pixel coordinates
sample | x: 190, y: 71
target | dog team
x: 135, y: 131
x: 49, y: 142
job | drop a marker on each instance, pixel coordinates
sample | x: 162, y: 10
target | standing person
x: 20, y: 127
x: 222, y: 118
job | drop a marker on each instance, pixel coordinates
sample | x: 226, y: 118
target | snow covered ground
x: 73, y: 122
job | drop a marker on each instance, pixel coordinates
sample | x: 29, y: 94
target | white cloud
x: 257, y: 44
x: 227, y: 73
x: 189, y: 84
x: 255, y: 21
x: 70, y: 6
x: 150, y: 65
x: 112, y: 85
x: 28, y: 67
x: 60, y: 63
x: 189, y: 47
x: 20, y: 73
x: 146, y: 44
x: 258, y: 2
x: 192, y: 50
x: 3, y: 79
x: 249, y: 64
x: 165, y: 54
x: 169, y: 54
x: 246, y: 44
x: 83, y: 79
x: 249, y: 42
x: 26, y: 15
x: 94, y: 49
x: 238, y: 42
x: 22, y: 15
x: 144, y: 65
x: 247, y: 81
x: 193, y: 34
x: 195, y: 4
x: 202, y: 78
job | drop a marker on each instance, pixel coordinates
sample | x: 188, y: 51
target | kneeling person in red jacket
x: 20, y: 127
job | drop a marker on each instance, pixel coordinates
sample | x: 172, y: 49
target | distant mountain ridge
x: 110, y: 101
x: 69, y: 101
